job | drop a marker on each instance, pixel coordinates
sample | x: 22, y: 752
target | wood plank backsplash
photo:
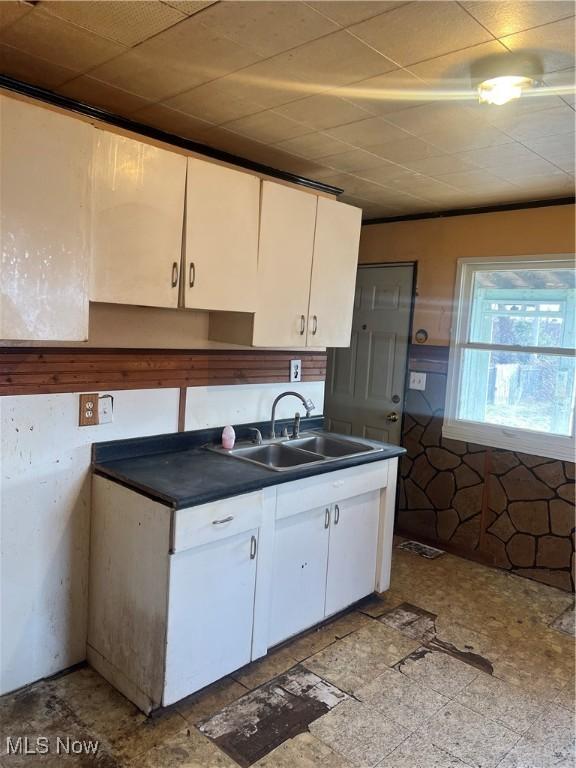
x: 31, y: 371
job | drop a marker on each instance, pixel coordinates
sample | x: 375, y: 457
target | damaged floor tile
x: 430, y: 553
x: 566, y: 622
x: 359, y: 732
x: 412, y: 621
x: 514, y: 707
x: 357, y: 659
x: 271, y: 665
x: 474, y: 739
x: 249, y: 728
x: 438, y: 671
x: 419, y: 752
x: 404, y: 701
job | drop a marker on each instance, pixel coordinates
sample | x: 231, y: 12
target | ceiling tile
x: 386, y: 93
x: 433, y: 166
x: 387, y: 172
x: 323, y: 111
x: 364, y: 133
x: 125, y: 23
x: 452, y: 71
x: 217, y: 101
x: 564, y: 79
x: 99, y: 94
x: 334, y: 60
x: 314, y: 145
x: 472, y: 180
x: 536, y: 187
x: 176, y: 60
x: 11, y: 11
x: 353, y: 160
x: 489, y: 157
x: 405, y: 150
x: 48, y: 37
x: 506, y: 18
x: 346, y: 12
x: 189, y: 7
x: 560, y: 150
x: 267, y: 27
x: 457, y: 139
x: 533, y: 125
x: 516, y: 172
x: 172, y: 121
x: 419, y: 31
x: 432, y: 117
x: 24, y: 66
x: 554, y: 43
x: 267, y: 127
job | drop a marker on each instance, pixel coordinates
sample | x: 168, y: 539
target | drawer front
x: 300, y: 495
x: 195, y: 526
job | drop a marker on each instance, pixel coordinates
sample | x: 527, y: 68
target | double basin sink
x: 291, y: 453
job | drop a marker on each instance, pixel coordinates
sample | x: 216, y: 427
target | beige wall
x: 437, y: 244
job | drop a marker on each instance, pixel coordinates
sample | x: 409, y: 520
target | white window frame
x: 511, y: 438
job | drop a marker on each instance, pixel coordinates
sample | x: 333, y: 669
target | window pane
x: 524, y: 307
x: 517, y: 389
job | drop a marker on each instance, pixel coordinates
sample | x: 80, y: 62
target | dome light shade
x: 501, y: 90
x: 501, y: 78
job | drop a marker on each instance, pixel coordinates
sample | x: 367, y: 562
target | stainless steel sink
x: 309, y: 449
x: 277, y: 456
x: 331, y: 447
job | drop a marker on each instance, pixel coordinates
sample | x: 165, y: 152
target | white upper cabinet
x: 287, y: 220
x: 221, y: 244
x: 44, y: 225
x: 138, y: 216
x: 333, y: 281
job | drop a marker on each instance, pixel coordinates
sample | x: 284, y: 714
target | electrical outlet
x: 105, y: 408
x: 417, y: 381
x: 89, y: 410
x: 295, y: 370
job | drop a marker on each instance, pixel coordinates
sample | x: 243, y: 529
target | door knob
x: 392, y: 417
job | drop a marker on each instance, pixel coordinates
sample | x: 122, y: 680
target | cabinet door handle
x: 252, y: 547
x: 302, y: 325
x: 314, y: 324
x: 336, y: 514
x: 192, y: 275
x: 326, y: 518
x: 224, y: 520
x: 174, y: 274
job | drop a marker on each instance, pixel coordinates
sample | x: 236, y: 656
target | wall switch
x: 417, y: 381
x: 88, y: 410
x: 295, y: 370
x: 105, y: 408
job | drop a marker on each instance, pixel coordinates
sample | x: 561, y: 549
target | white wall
x: 44, y: 522
x: 215, y: 406
x: 45, y: 506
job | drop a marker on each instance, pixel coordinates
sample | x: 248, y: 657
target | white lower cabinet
x: 353, y: 550
x: 179, y: 599
x: 210, y: 613
x: 298, y: 573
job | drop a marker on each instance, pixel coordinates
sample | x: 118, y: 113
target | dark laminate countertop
x: 177, y: 471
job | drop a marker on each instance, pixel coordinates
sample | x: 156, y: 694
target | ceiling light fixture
x: 502, y: 78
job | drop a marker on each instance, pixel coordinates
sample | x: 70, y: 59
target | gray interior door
x: 365, y: 383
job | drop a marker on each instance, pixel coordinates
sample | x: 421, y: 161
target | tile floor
x: 457, y: 666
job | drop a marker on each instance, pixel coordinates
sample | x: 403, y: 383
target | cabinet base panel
x: 117, y: 679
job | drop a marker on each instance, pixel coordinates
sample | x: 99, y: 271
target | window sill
x: 520, y: 441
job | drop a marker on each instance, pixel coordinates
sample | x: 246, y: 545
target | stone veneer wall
x: 508, y: 509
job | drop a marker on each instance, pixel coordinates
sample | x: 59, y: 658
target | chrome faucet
x: 306, y: 402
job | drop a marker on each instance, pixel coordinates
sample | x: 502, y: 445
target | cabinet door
x: 222, y: 212
x: 333, y: 274
x: 353, y: 550
x: 299, y: 573
x: 210, y: 613
x: 137, y: 222
x: 287, y: 220
x: 45, y: 223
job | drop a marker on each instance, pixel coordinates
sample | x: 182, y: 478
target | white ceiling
x: 374, y: 97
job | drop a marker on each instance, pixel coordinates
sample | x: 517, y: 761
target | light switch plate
x: 417, y: 381
x: 295, y: 370
x: 105, y: 409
